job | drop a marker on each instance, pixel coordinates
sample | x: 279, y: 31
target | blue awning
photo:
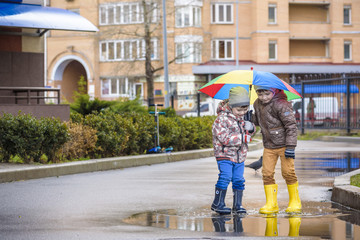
x: 318, y: 88
x: 39, y: 17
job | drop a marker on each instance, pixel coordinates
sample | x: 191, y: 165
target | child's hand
x: 248, y: 126
x: 247, y: 138
x: 289, y: 153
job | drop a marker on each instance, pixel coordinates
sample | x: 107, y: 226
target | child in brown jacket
x: 274, y: 115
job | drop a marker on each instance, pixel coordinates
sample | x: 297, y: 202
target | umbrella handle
x: 247, y: 116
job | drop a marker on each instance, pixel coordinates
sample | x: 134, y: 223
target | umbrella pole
x: 250, y: 86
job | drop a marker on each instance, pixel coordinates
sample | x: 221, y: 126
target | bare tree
x: 150, y: 70
x: 149, y: 29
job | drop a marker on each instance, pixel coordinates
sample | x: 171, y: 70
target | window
x: 102, y: 17
x: 347, y: 51
x: 127, y: 50
x: 221, y: 13
x: 222, y: 49
x: 272, y: 14
x: 347, y: 15
x: 151, y: 12
x: 126, y: 13
x: 139, y: 91
x: 115, y: 87
x: 187, y: 16
x: 173, y: 88
x: 111, y: 53
x: 188, y: 52
x: 103, y: 51
x: 272, y: 50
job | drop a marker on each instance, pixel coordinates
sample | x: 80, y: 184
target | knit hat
x: 238, y: 97
x: 273, y: 90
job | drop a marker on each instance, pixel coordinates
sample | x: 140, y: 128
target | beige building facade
x: 291, y: 38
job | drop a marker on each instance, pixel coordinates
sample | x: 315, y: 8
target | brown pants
x: 270, y: 158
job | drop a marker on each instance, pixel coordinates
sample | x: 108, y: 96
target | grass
x: 312, y: 135
x: 315, y: 134
x: 355, y: 180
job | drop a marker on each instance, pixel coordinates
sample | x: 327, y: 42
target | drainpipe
x: 45, y: 54
x: 237, y: 34
x: 46, y: 94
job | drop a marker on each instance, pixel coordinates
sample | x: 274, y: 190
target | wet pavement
x: 172, y: 201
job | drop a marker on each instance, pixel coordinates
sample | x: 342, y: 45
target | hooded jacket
x: 228, y: 134
x: 277, y: 122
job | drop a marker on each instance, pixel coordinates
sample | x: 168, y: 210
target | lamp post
x: 166, y: 71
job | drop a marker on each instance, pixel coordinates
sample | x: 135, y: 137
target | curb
x: 344, y: 193
x: 53, y: 170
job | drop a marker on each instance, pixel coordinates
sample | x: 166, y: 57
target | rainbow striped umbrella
x: 219, y: 87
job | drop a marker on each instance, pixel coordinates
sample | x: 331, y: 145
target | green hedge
x: 30, y: 138
x: 99, y: 135
x: 120, y: 134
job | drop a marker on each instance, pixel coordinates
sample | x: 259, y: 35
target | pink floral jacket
x: 228, y: 135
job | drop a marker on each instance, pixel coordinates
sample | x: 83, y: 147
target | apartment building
x: 295, y: 39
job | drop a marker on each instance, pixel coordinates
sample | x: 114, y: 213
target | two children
x: 274, y: 115
x: 231, y: 134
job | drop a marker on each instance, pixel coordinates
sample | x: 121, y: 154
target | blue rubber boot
x: 219, y: 202
x: 237, y: 203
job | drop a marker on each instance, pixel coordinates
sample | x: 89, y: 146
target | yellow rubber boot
x: 271, y: 205
x: 294, y: 226
x: 294, y: 199
x: 271, y: 227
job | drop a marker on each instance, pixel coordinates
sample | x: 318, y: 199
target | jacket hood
x: 279, y: 95
x: 225, y: 109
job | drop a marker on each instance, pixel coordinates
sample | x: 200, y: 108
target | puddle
x: 319, y: 219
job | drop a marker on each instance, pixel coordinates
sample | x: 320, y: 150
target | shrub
x: 30, y: 138
x: 170, y: 112
x: 142, y: 132
x: 96, y: 135
x: 56, y: 135
x: 85, y: 106
x: 82, y: 142
x: 128, y: 106
x: 186, y: 133
x: 112, y: 131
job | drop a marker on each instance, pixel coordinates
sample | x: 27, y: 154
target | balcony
x: 309, y: 51
x: 32, y: 100
x: 309, y: 20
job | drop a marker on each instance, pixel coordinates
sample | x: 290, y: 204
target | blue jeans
x: 231, y: 171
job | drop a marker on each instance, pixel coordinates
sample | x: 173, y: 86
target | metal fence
x: 328, y: 104
x: 182, y: 103
x: 332, y: 103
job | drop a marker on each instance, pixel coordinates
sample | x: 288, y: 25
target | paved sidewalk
x: 343, y: 192
x: 17, y: 172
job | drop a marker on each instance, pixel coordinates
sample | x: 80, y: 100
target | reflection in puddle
x: 319, y: 219
x: 331, y: 164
